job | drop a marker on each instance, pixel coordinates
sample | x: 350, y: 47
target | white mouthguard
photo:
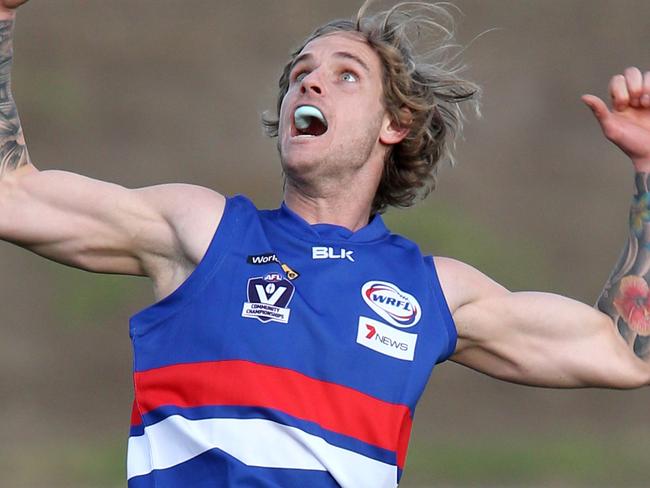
x: 304, y: 113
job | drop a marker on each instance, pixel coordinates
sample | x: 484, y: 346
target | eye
x: 299, y: 76
x: 349, y: 77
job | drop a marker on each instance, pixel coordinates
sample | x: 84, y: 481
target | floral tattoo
x: 626, y: 296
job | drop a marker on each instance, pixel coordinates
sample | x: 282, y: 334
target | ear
x: 394, y: 131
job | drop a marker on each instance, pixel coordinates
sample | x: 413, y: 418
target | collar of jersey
x: 299, y: 227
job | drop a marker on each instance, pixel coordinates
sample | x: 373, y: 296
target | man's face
x: 332, y: 115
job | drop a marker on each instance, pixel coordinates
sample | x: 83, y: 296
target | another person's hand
x: 628, y: 123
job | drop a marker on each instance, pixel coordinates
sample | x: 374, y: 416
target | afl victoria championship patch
x: 268, y: 298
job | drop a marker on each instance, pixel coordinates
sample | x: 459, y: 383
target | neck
x: 338, y: 193
x: 349, y: 207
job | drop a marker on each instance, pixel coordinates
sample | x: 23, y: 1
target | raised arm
x: 13, y: 152
x: 626, y: 295
x: 161, y: 232
x: 547, y: 340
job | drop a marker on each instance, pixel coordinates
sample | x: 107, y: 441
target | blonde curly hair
x: 422, y: 91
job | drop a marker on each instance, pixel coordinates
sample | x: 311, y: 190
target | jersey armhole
x: 219, y: 245
x: 450, y: 326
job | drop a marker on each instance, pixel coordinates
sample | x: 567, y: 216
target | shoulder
x: 187, y: 217
x: 462, y: 284
x: 192, y: 213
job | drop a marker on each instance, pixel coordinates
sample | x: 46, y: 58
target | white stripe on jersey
x: 255, y: 442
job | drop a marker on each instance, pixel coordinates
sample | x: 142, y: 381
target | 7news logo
x: 372, y: 332
x: 385, y: 339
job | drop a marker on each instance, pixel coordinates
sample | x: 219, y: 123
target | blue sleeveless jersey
x: 293, y: 356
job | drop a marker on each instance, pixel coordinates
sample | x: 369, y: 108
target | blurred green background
x: 142, y: 92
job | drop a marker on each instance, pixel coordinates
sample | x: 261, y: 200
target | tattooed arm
x: 13, y: 153
x: 547, y: 340
x: 626, y: 295
x: 161, y: 231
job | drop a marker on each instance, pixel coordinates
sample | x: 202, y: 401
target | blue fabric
x: 216, y: 469
x: 204, y: 320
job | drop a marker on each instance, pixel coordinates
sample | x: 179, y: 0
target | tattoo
x: 13, y: 152
x: 626, y: 296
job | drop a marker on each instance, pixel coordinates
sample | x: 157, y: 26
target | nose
x: 311, y: 84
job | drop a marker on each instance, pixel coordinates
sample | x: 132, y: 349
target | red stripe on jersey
x: 334, y: 407
x: 136, y: 419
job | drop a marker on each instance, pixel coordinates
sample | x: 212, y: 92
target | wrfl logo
x: 399, y: 308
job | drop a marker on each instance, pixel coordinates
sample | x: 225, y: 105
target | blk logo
x: 331, y: 253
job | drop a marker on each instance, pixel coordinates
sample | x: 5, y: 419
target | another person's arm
x: 547, y: 340
x: 161, y: 232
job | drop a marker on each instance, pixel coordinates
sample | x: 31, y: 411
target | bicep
x: 95, y: 225
x: 539, y: 339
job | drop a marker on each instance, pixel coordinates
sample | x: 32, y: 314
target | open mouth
x: 309, y: 121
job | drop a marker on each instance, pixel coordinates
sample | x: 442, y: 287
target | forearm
x: 626, y: 295
x: 13, y: 151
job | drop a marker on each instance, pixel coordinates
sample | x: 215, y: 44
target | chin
x: 295, y: 164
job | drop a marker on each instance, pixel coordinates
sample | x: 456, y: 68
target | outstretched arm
x: 161, y: 231
x: 547, y: 340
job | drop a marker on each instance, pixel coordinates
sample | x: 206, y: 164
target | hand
x: 11, y: 4
x: 7, y: 8
x: 628, y: 123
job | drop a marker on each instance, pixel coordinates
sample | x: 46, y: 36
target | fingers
x: 597, y: 106
x: 13, y: 3
x: 634, y: 82
x: 618, y: 92
x: 645, y: 98
x: 631, y: 89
